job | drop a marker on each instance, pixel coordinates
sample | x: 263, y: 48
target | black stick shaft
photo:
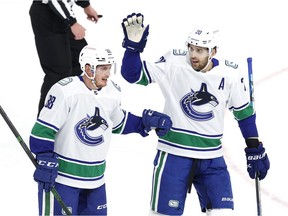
x: 252, y: 100
x: 258, y: 196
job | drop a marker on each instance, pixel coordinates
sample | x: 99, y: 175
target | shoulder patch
x: 116, y: 86
x: 231, y: 64
x: 65, y: 81
x: 180, y: 52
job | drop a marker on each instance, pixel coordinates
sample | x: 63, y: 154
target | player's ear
x: 87, y: 68
x: 214, y: 51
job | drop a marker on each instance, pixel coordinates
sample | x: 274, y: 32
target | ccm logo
x: 47, y: 163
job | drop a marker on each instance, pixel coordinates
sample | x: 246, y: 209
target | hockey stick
x: 252, y: 100
x: 30, y: 155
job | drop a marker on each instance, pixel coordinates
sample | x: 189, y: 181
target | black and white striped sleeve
x: 63, y: 8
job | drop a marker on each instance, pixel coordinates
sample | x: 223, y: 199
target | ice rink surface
x: 247, y: 29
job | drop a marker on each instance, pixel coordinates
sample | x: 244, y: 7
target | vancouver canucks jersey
x: 196, y: 102
x: 77, y: 124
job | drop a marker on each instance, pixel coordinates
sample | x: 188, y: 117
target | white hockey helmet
x: 203, y: 38
x: 94, y: 57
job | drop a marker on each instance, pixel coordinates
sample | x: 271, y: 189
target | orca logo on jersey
x: 87, y: 126
x: 199, y: 99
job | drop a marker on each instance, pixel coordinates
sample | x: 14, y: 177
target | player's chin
x: 103, y: 83
x: 196, y: 66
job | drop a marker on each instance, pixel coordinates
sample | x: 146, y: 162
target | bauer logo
x: 256, y: 157
x: 174, y: 203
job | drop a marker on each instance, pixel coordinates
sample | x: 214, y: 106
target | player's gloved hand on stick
x: 155, y: 120
x: 46, y: 170
x: 135, y: 33
x: 257, y: 161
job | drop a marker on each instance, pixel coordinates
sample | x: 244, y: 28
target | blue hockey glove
x: 135, y: 33
x: 46, y: 170
x: 155, y: 120
x: 257, y: 161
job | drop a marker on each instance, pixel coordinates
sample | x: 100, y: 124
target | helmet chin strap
x: 92, y: 79
x: 208, y: 62
x: 94, y: 83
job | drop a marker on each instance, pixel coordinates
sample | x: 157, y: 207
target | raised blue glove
x: 257, y: 161
x: 46, y: 170
x: 135, y: 33
x: 155, y: 120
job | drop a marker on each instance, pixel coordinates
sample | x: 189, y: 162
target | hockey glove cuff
x: 257, y: 161
x: 46, y: 170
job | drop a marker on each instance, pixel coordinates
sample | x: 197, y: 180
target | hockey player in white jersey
x: 72, y: 134
x: 197, y: 88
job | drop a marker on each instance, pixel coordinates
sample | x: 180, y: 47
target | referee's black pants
x: 57, y: 49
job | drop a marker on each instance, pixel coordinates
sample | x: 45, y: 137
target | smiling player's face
x: 102, y: 75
